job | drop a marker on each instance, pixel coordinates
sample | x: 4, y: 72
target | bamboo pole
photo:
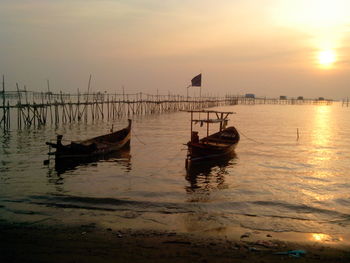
x: 3, y: 102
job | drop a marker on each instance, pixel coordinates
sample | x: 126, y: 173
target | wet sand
x: 92, y: 243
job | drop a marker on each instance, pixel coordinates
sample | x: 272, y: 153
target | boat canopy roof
x: 211, y: 120
x: 221, y: 116
x: 211, y: 111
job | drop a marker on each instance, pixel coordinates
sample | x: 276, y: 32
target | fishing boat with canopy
x: 215, y: 145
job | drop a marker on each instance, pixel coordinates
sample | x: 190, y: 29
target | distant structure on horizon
x: 250, y: 96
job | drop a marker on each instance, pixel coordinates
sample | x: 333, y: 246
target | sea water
x: 289, y: 174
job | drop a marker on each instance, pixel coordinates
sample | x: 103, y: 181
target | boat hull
x: 98, y: 146
x: 121, y: 156
x: 213, y: 146
x: 202, y: 151
x: 67, y: 154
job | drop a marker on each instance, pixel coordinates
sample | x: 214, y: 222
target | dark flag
x: 197, y: 81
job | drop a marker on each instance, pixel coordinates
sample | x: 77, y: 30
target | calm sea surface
x: 274, y: 182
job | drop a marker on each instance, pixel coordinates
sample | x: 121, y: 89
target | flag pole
x: 200, y: 89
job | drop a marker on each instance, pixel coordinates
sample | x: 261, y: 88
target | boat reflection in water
x: 122, y: 157
x: 207, y: 175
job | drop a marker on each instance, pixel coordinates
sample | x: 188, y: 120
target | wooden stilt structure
x: 42, y: 108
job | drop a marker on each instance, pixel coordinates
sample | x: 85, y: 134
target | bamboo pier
x: 282, y: 101
x: 32, y: 109
x: 41, y: 108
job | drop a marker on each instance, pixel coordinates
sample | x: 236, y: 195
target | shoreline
x: 94, y: 243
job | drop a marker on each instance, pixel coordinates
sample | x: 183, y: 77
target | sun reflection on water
x: 320, y: 155
x: 322, y: 132
x: 317, y: 196
x: 324, y: 238
x: 321, y: 136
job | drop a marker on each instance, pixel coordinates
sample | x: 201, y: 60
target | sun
x: 326, y: 58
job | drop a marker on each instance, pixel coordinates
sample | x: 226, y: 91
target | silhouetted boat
x: 215, y: 145
x: 97, y: 146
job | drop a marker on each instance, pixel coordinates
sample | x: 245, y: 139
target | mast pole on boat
x: 221, y: 117
x: 191, y: 123
x: 207, y: 124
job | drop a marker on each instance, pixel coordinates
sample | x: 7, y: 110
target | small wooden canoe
x: 96, y: 146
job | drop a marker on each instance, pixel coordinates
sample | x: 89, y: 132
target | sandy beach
x: 92, y: 243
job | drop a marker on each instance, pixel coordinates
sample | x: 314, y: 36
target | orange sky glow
x: 266, y: 47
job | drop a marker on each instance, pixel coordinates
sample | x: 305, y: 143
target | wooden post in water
x: 297, y: 134
x: 3, y: 102
x: 8, y: 116
x: 19, y: 109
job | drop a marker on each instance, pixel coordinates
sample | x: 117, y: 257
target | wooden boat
x: 215, y: 145
x: 97, y: 146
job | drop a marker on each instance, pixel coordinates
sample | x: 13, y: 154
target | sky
x: 266, y: 47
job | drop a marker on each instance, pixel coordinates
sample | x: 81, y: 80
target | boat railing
x: 221, y: 118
